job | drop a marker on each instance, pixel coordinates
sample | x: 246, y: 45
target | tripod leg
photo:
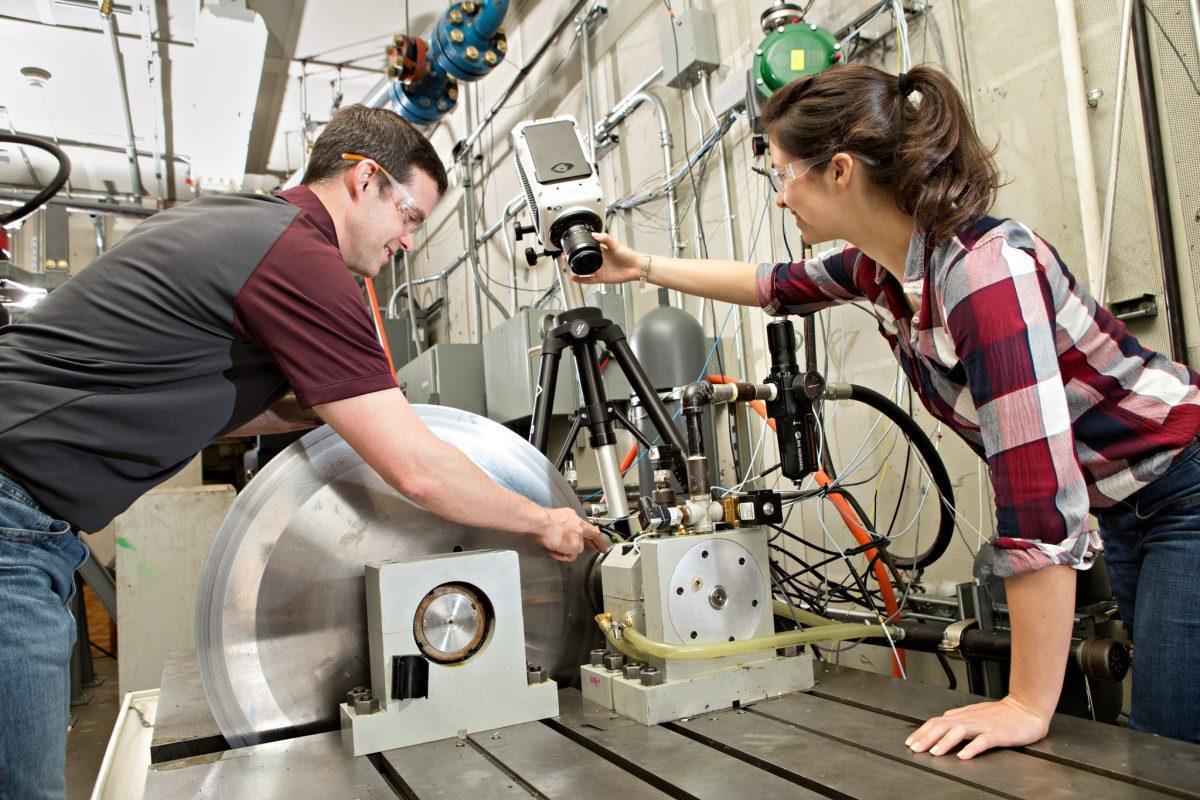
x: 570, y: 442
x: 543, y: 404
x: 618, y: 345
x: 601, y: 435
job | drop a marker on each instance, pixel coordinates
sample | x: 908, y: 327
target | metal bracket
x: 952, y: 636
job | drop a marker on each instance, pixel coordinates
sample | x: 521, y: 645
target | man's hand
x: 565, y: 534
x: 1005, y: 723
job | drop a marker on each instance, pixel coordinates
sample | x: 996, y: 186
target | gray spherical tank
x: 669, y: 343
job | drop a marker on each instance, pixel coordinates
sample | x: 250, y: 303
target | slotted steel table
x: 845, y: 739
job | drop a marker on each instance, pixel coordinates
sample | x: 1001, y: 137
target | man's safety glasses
x: 414, y: 220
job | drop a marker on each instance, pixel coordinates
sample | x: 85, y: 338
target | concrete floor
x: 89, y: 738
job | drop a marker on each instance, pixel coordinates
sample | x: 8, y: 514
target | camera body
x: 562, y: 190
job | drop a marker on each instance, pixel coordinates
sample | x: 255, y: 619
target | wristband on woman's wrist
x: 644, y: 272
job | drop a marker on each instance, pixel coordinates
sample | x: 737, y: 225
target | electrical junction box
x: 689, y: 46
x: 694, y: 590
x: 398, y: 333
x: 511, y: 364
x: 446, y: 375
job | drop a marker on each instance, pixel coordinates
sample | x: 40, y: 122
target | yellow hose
x: 634, y: 644
x: 798, y: 614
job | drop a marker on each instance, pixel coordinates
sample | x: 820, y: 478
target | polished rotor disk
x: 281, y: 611
x: 450, y: 623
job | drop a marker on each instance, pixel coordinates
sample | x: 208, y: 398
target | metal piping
x: 468, y: 185
x: 1159, y: 187
x: 78, y: 204
x: 469, y: 143
x: 1114, y: 153
x: 110, y: 26
x: 412, y: 305
x: 1194, y: 7
x: 665, y: 142
x: 585, y: 69
x: 1081, y: 142
x: 741, y: 335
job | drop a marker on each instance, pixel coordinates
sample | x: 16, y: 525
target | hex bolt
x: 456, y: 36
x: 633, y: 671
x: 490, y: 58
x: 469, y: 7
x: 651, y: 676
x: 501, y: 46
x: 455, y: 16
x: 596, y: 657
x: 471, y: 53
x: 536, y: 675
x: 614, y: 661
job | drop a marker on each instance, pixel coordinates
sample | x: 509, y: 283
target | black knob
x: 531, y: 256
x: 520, y: 230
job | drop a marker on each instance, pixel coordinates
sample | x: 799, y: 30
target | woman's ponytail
x: 916, y: 127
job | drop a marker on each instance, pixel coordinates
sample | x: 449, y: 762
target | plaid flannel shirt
x: 1070, y: 412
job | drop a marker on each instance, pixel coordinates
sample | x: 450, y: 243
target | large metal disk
x: 281, y: 613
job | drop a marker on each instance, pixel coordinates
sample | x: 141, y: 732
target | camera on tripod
x: 562, y: 192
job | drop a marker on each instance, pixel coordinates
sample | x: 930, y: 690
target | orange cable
x: 379, y: 323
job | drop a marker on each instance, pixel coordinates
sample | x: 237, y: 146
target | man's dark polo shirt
x: 192, y: 325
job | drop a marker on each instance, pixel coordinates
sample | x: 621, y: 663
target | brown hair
x: 928, y: 152
x: 378, y: 134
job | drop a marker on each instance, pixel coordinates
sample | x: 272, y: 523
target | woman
x: 1071, y: 413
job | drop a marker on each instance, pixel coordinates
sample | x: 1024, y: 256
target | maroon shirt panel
x: 303, y: 307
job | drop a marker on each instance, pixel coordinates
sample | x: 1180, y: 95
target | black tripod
x: 580, y: 329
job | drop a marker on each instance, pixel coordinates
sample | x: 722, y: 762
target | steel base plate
x: 281, y: 613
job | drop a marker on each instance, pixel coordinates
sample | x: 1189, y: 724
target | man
x: 203, y: 322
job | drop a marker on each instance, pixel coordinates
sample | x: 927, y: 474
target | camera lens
x: 583, y: 253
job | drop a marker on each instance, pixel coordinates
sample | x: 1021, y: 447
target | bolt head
x: 455, y: 16
x: 651, y: 676
x: 501, y: 46
x: 596, y: 657
x: 490, y: 58
x: 469, y: 7
x: 456, y: 36
x: 614, y: 661
x: 471, y: 53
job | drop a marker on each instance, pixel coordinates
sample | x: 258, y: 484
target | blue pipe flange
x: 426, y: 102
x: 468, y: 40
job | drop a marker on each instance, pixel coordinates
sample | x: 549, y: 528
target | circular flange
x: 281, y: 632
x: 717, y: 593
x: 450, y: 623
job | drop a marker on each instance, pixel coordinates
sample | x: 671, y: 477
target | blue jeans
x: 1152, y: 549
x: 38, y: 559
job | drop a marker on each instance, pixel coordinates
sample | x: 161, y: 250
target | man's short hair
x: 378, y: 134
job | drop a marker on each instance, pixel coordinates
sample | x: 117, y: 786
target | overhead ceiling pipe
x: 110, y: 26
